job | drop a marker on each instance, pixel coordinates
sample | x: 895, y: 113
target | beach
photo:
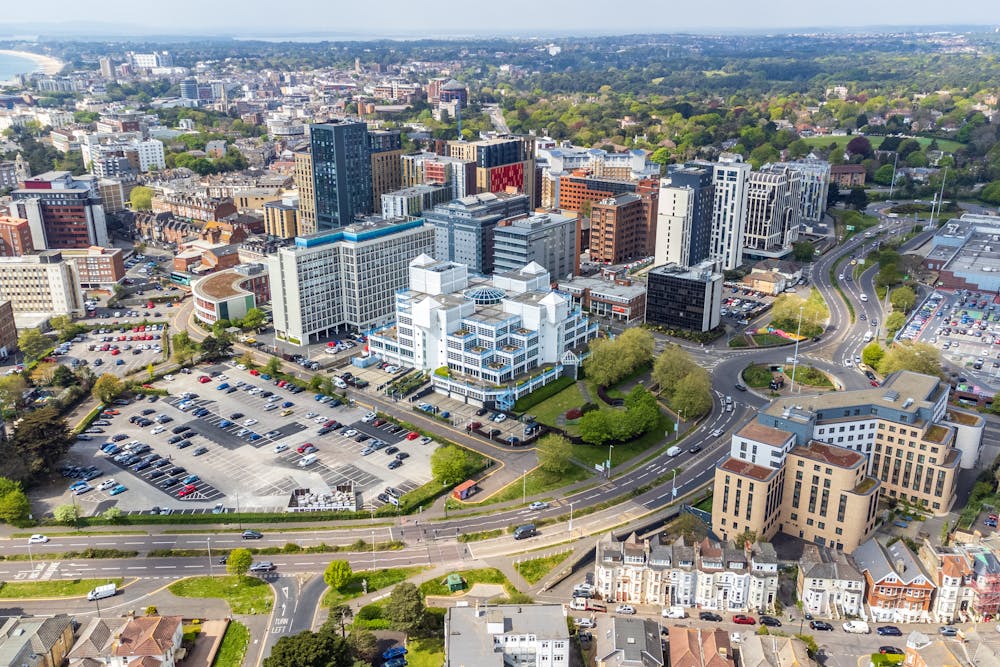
x: 45, y: 64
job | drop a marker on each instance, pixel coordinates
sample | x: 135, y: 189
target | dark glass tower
x: 342, y: 172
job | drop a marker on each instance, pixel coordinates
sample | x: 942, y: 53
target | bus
x: 180, y: 278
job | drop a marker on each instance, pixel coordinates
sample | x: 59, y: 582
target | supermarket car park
x: 249, y: 444
x: 965, y: 326
x: 116, y: 348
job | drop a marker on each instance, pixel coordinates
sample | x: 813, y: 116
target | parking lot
x: 119, y: 349
x: 249, y: 449
x: 965, y: 326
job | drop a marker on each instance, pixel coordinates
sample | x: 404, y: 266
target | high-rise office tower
x: 684, y: 216
x: 303, y: 176
x: 342, y: 172
x: 729, y: 178
x: 772, y: 217
x: 464, y: 227
x: 815, y: 177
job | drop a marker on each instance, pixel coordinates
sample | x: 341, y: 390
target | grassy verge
x: 289, y: 548
x: 481, y: 535
x: 625, y: 451
x: 271, y: 529
x: 549, y: 410
x: 836, y: 285
x: 486, y: 575
x: 73, y: 555
x: 536, y: 568
x: 705, y: 505
x: 81, y: 533
x: 425, y: 652
x: 812, y: 377
x: 770, y: 340
x: 249, y: 596
x: 377, y: 580
x: 537, y: 481
x: 55, y: 588
x: 233, y: 647
x: 757, y: 376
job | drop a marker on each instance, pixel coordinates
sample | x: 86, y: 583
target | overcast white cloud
x: 440, y: 17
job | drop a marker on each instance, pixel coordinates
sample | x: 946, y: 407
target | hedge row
x: 542, y: 393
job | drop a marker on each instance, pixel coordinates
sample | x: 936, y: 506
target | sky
x: 443, y: 17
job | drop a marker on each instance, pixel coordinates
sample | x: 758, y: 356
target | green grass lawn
x: 538, y: 481
x: 704, y: 505
x: 377, y: 580
x: 812, y: 377
x: 769, y: 340
x: 549, y: 410
x: 625, y: 451
x: 425, y: 652
x: 536, y: 568
x: 823, y: 141
x: 757, y: 376
x: 233, y: 647
x: 55, y: 588
x: 252, y: 596
x: 486, y: 575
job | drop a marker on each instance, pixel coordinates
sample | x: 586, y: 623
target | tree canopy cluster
x: 40, y: 441
x: 613, y: 360
x: 685, y: 385
x: 641, y: 413
x: 785, y: 313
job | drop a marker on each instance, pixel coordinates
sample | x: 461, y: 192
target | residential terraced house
x: 899, y: 589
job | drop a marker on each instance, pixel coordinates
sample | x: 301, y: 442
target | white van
x: 101, y: 592
x: 307, y: 460
x: 863, y: 297
x: 857, y: 627
x: 868, y: 336
x: 673, y: 612
x: 674, y: 451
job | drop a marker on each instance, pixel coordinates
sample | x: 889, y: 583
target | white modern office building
x: 39, y: 286
x: 815, y: 186
x: 484, y: 339
x: 344, y: 279
x: 729, y: 214
x: 772, y: 218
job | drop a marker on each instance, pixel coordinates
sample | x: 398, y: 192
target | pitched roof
x: 147, y: 635
x: 690, y: 647
x: 95, y: 637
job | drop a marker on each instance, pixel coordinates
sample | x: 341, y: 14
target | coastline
x: 46, y: 64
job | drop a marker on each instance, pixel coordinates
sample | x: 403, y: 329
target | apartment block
x: 898, y: 588
x: 342, y: 172
x: 413, y: 200
x: 386, y: 149
x: 464, y: 227
x: 547, y: 239
x: 193, y: 205
x: 684, y: 216
x: 630, y: 642
x: 425, y: 168
x: 580, y: 189
x: 15, y: 237
x: 557, y: 160
x: 623, y: 228
x: 706, y: 575
x: 529, y: 634
x: 492, y: 334
x: 814, y: 178
x: 63, y: 211
x: 303, y: 175
x: 8, y: 329
x: 347, y: 278
x: 967, y: 576
x: 679, y: 297
x: 40, y: 285
x: 281, y: 219
x: 502, y: 162
x: 829, y: 457
x: 729, y: 210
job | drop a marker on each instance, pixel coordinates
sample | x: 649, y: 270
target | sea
x: 10, y: 66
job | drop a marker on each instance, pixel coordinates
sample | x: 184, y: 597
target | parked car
x: 743, y: 619
x: 820, y: 625
x: 251, y: 535
x: 710, y: 616
x: 263, y: 566
x: 889, y: 631
x: 625, y: 609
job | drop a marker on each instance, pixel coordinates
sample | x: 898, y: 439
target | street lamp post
x: 524, y: 486
x: 31, y: 560
x: 210, y: 568
x: 795, y: 359
x: 571, y: 519
x: 610, y: 448
x: 373, y: 551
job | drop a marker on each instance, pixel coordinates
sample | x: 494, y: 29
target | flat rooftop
x: 923, y: 389
x: 222, y: 285
x: 767, y: 434
x: 829, y: 454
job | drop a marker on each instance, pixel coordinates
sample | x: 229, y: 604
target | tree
x: 858, y: 198
x: 39, y: 443
x: 363, y: 643
x: 746, y: 537
x: 216, y: 347
x: 310, y: 649
x: 337, y: 574
x: 113, y: 515
x: 239, y: 562
x: 66, y: 514
x: 883, y: 175
x: 893, y: 323
x: 909, y: 356
x: 406, y: 608
x: 62, y: 376
x: 804, y: 251
x: 903, y: 298
x: 12, y: 388
x: 596, y: 427
x: 273, y: 366
x: 33, y: 344
x: 859, y: 146
x: 247, y: 359
x: 340, y: 614
x: 554, y: 452
x: 693, y: 396
x: 672, y: 365
x: 690, y: 527
x: 888, y: 276
x: 872, y: 354
x: 14, y: 505
x: 254, y: 319
x: 141, y: 198
x: 636, y: 347
x: 602, y: 365
x: 107, y: 388
x: 184, y: 348
x: 451, y: 464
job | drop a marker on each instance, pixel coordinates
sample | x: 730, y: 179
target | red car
x: 254, y: 371
x: 412, y: 435
x: 204, y: 378
x: 115, y: 353
x: 743, y: 619
x: 303, y: 447
x: 187, y: 490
